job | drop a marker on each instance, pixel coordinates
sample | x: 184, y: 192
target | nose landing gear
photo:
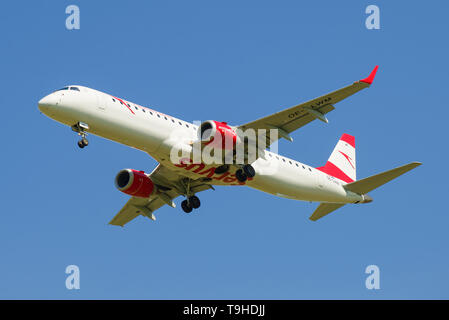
x: 81, y: 129
x: 83, y: 143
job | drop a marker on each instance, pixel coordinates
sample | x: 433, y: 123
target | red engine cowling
x: 217, y: 134
x: 134, y: 183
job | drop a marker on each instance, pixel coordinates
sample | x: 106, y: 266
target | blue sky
x: 231, y: 61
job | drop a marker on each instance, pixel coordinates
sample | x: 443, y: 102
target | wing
x: 168, y: 185
x: 291, y: 119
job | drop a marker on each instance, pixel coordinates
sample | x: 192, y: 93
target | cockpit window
x: 74, y: 88
x: 65, y: 88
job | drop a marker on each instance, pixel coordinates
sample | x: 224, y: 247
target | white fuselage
x: 156, y: 133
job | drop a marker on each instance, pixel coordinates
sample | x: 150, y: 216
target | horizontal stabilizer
x: 366, y: 185
x: 324, y: 209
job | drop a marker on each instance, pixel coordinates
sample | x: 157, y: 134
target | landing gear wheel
x: 222, y: 169
x: 194, y: 202
x: 249, y: 170
x: 83, y: 143
x: 81, y: 128
x: 185, y: 205
x: 240, y: 175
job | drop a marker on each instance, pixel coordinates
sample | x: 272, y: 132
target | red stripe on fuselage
x: 334, y: 171
x: 125, y: 104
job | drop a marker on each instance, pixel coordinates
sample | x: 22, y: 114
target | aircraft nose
x: 47, y: 102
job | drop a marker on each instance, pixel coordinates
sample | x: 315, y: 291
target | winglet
x: 370, y: 78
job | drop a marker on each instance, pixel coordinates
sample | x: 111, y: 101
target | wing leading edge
x: 291, y: 119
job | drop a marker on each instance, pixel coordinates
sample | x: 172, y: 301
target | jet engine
x: 217, y: 134
x: 134, y: 183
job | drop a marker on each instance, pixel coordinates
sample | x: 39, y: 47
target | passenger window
x: 303, y: 167
x: 113, y: 99
x: 296, y: 164
x: 187, y: 125
x: 172, y: 120
x: 143, y: 110
x: 151, y: 113
x: 283, y: 159
x: 180, y: 123
x: 165, y: 118
x: 290, y: 162
x: 310, y: 170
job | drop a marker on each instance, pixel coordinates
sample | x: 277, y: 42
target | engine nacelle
x: 134, y: 183
x: 217, y: 134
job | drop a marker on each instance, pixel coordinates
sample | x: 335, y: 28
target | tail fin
x: 366, y: 185
x: 341, y: 163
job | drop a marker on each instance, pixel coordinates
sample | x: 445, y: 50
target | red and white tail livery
x: 88, y: 111
x: 341, y: 164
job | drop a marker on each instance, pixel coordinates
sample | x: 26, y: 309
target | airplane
x: 88, y: 111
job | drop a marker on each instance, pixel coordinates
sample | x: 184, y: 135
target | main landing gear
x: 247, y: 171
x: 190, y: 203
x: 81, y: 129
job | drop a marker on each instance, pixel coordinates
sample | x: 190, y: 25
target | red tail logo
x: 347, y: 158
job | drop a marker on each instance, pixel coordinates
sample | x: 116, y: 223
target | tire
x: 85, y: 142
x: 240, y: 175
x: 249, y: 170
x: 81, y: 144
x: 194, y: 202
x: 222, y: 169
x: 186, y: 206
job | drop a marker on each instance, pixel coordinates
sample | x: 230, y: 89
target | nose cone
x: 47, y: 103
